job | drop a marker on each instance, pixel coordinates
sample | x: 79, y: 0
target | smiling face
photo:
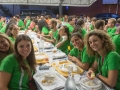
x: 77, y: 42
x: 95, y: 43
x: 4, y: 44
x: 24, y: 48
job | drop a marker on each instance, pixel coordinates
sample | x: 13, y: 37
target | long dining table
x: 48, y: 67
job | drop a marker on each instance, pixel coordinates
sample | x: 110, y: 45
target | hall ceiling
x: 50, y: 2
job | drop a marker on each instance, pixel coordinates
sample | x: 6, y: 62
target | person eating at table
x: 17, y: 69
x: 107, y: 62
x: 78, y: 54
x: 63, y: 39
x: 53, y: 32
x: 43, y: 27
x: 6, y: 46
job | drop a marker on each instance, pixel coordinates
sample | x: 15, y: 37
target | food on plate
x: 48, y: 78
x: 65, y: 67
x: 90, y: 83
x: 35, y: 49
x: 92, y: 75
x: 33, y: 41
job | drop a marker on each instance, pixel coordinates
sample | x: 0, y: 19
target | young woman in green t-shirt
x: 6, y: 46
x: 116, y: 39
x: 107, y: 61
x: 12, y: 32
x: 79, y: 27
x: 78, y: 54
x: 63, y: 39
x: 43, y: 27
x: 16, y: 70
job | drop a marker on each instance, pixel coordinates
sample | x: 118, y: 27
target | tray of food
x: 41, y: 58
x: 50, y: 81
x: 62, y: 68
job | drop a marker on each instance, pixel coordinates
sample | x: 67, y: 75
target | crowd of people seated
x: 90, y: 43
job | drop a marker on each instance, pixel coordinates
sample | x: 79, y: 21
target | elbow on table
x: 112, y: 84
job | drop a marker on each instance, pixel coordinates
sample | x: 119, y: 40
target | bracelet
x: 98, y: 74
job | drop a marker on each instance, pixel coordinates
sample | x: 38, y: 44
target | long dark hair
x: 78, y: 26
x: 42, y: 23
x: 11, y: 26
x: 67, y: 32
x: 30, y: 58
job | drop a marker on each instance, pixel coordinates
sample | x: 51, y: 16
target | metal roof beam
x: 50, y: 2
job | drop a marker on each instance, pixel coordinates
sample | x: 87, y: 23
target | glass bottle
x: 70, y: 83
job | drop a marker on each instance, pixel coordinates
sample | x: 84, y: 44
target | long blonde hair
x: 107, y: 43
x: 3, y: 55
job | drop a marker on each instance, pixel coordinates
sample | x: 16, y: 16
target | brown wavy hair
x: 30, y: 58
x: 107, y: 44
x: 11, y: 50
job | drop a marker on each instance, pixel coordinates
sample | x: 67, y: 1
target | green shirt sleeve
x: 84, y: 31
x: 28, y: 23
x: 116, y: 41
x: 86, y: 58
x: 7, y: 64
x: 45, y: 31
x: 113, y: 61
x: 21, y: 24
x: 3, y: 29
x: 74, y: 52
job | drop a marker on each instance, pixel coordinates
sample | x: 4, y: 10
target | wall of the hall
x: 95, y: 8
x: 110, y: 8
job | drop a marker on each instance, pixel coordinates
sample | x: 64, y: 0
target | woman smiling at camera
x: 6, y: 46
x: 17, y: 69
x: 78, y: 54
x: 107, y: 61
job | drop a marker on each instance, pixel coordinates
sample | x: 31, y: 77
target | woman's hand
x: 73, y: 59
x: 89, y: 74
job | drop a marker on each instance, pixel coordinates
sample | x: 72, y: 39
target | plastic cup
x: 57, y: 62
x: 77, y: 78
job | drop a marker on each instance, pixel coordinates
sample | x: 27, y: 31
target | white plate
x: 64, y: 68
x: 47, y: 45
x: 59, y: 55
x: 48, y: 84
x: 40, y: 57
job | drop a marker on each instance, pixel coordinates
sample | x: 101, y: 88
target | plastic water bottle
x: 70, y: 83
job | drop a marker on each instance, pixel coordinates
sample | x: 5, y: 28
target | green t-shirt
x: 116, y: 41
x: 19, y: 79
x: 91, y: 27
x: 3, y: 29
x: 55, y: 35
x: 111, y: 31
x: 12, y: 39
x: 111, y: 62
x: 70, y: 27
x: 28, y: 23
x: 84, y: 31
x: 64, y: 47
x: 21, y: 24
x: 45, y: 30
x: 82, y: 55
x: 1, y: 23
